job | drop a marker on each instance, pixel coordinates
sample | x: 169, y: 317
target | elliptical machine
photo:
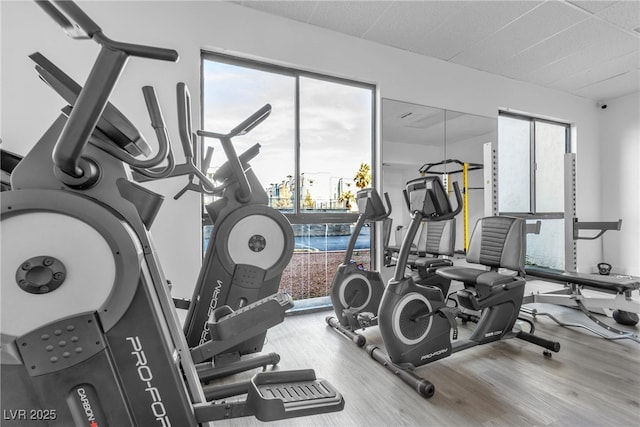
x: 102, y: 343
x: 250, y: 246
x: 251, y: 243
x: 228, y: 333
x: 235, y: 338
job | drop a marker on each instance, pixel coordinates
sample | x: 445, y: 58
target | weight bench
x: 623, y: 308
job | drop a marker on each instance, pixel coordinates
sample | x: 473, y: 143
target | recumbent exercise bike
x: 415, y: 323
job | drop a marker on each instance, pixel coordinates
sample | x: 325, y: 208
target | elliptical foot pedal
x: 287, y: 394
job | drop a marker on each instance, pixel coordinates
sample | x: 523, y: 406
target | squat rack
x: 465, y: 168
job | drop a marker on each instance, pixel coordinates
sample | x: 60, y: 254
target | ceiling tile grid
x: 404, y: 21
x: 614, y: 53
x: 625, y: 14
x: 561, y: 45
x: 596, y: 75
x: 588, y: 48
x: 593, y: 6
x: 611, y: 88
x: 469, y: 24
x: 528, y: 30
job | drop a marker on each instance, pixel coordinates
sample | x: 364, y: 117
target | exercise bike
x: 415, y: 323
x: 354, y: 290
x: 356, y: 293
x: 102, y: 343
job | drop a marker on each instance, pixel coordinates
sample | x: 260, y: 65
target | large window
x: 531, y: 181
x: 319, y: 133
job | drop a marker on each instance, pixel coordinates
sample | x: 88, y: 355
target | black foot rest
x: 226, y: 326
x: 229, y: 328
x: 275, y: 395
x: 287, y: 394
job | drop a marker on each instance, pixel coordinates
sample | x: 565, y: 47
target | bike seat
x: 466, y: 275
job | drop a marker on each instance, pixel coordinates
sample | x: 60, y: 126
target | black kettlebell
x: 604, y: 268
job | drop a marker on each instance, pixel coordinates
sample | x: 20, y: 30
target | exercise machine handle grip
x: 151, y: 100
x: 234, y: 162
x: 251, y: 122
x: 144, y: 167
x: 78, y: 25
x: 184, y: 118
x: 389, y: 206
x: 459, y: 203
x: 224, y: 172
x: 206, y: 163
x: 244, y: 192
x: 137, y: 50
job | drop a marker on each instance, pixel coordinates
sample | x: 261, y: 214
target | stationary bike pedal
x: 366, y: 319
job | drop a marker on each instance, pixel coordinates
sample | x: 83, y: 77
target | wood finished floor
x: 590, y: 382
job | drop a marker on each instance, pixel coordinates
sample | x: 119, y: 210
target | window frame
x: 298, y: 216
x: 533, y: 211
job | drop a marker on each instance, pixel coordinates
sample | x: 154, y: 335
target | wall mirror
x: 415, y: 135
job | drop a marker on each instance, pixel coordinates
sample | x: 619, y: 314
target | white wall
x: 620, y: 186
x: 28, y: 106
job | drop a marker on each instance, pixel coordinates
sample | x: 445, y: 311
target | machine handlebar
x: 151, y: 100
x: 389, y: 206
x: 79, y: 26
x: 70, y: 167
x: 225, y: 171
x: 251, y: 122
x: 244, y: 191
x: 184, y: 118
x: 459, y: 203
x: 439, y: 213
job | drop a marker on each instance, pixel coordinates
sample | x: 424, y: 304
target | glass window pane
x: 319, y: 249
x: 547, y: 248
x: 514, y: 158
x: 231, y: 94
x: 550, y: 150
x: 335, y: 139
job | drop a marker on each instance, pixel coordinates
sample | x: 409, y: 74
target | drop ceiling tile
x: 598, y: 72
x: 619, y: 45
x: 593, y: 6
x: 472, y: 22
x: 623, y: 13
x: 405, y: 22
x: 539, y: 24
x: 553, y: 43
x: 349, y: 17
x: 561, y: 45
x: 296, y: 10
x: 612, y: 88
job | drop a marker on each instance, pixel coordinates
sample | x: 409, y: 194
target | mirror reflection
x: 418, y: 138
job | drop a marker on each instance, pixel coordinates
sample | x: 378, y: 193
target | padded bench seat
x: 462, y: 274
x: 428, y: 262
x: 617, y: 284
